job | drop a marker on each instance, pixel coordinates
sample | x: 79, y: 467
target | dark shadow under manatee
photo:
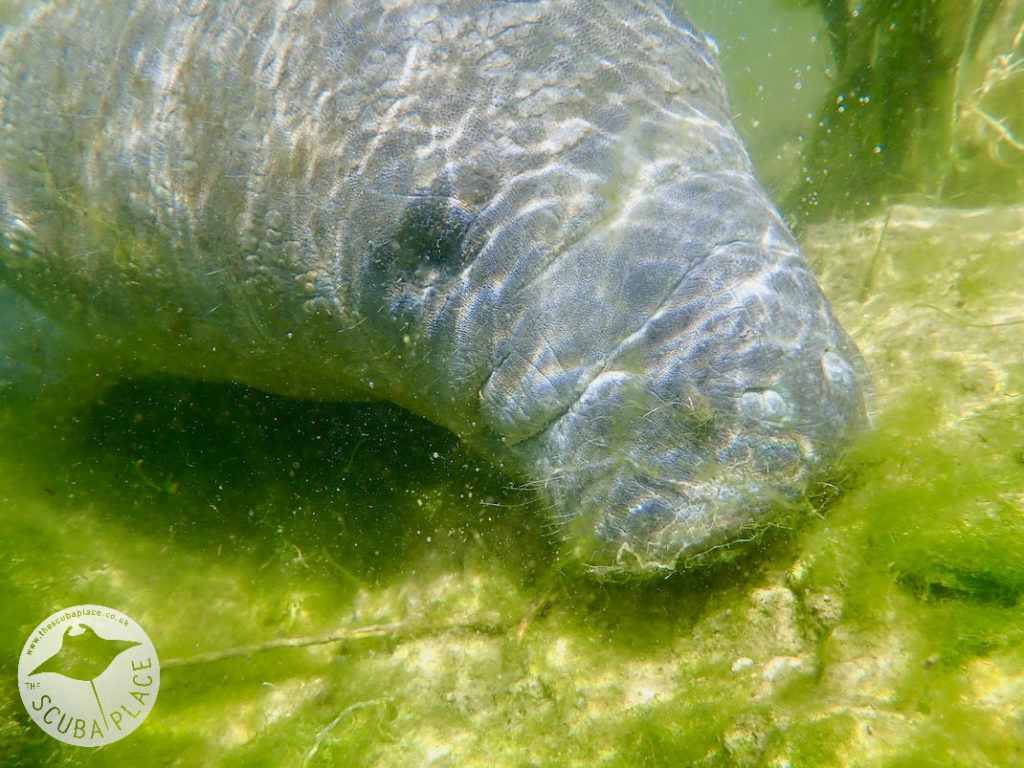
x: 223, y: 466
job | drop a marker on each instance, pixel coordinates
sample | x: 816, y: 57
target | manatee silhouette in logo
x: 84, y: 656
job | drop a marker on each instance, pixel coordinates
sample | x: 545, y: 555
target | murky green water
x: 342, y: 585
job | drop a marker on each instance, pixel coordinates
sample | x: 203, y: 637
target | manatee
x: 529, y: 222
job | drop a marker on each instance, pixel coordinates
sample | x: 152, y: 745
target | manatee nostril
x: 764, y: 404
x: 838, y: 371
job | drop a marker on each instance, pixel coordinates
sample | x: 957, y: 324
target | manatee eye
x: 427, y: 248
x: 428, y: 242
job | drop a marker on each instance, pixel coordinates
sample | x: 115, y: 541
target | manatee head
x: 612, y: 307
x: 684, y: 376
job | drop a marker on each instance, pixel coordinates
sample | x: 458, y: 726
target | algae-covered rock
x: 375, y: 604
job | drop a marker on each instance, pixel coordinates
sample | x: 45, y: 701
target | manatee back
x: 226, y: 188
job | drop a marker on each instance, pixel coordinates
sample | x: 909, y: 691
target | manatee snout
x: 713, y: 415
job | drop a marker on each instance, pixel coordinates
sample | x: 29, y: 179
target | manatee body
x: 529, y: 222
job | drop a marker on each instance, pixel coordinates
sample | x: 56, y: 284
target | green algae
x: 341, y: 585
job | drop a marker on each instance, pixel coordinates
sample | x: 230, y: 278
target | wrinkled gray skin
x: 529, y: 222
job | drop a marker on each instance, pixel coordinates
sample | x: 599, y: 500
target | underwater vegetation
x: 926, y: 100
x: 336, y: 585
x: 340, y: 585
